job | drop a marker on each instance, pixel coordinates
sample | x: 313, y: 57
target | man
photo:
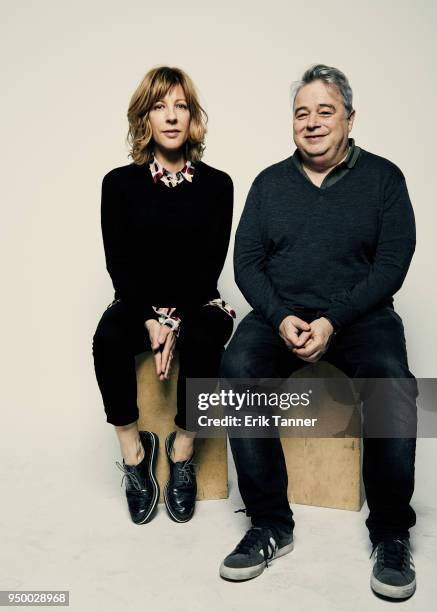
x: 325, y: 240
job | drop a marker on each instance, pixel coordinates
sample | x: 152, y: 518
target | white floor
x: 64, y: 525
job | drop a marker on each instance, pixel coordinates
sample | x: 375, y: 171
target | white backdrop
x: 68, y: 71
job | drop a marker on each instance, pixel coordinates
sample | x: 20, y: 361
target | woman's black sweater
x: 165, y: 246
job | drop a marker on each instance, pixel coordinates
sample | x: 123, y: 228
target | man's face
x: 320, y: 124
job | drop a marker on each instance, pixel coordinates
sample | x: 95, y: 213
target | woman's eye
x: 184, y: 106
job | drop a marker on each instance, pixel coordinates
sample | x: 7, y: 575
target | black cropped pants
x: 120, y: 336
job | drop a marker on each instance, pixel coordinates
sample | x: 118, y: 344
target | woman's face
x: 170, y: 120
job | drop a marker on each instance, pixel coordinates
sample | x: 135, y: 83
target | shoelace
x: 185, y: 470
x: 393, y: 554
x: 131, y: 476
x: 252, y: 537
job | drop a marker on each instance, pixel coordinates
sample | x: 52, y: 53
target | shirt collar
x: 158, y: 171
x: 353, y: 153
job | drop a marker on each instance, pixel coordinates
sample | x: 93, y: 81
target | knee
x: 384, y: 367
x: 237, y: 362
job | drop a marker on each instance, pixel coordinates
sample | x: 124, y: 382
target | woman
x: 166, y: 222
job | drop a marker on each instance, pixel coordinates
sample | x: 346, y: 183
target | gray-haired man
x: 325, y: 240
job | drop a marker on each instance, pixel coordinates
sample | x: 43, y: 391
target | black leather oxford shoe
x: 142, y: 489
x: 181, y: 488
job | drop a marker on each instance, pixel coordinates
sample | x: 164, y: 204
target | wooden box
x: 157, y: 405
x: 327, y: 471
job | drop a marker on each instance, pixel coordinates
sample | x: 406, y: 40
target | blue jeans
x: 372, y: 347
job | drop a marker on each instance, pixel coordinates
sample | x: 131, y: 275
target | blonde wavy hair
x: 155, y: 86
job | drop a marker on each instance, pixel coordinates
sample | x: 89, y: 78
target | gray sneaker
x: 253, y: 553
x: 393, y: 572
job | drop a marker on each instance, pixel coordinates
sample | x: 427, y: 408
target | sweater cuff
x: 277, y: 318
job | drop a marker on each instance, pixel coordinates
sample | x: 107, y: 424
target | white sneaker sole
x: 246, y: 573
x: 388, y: 590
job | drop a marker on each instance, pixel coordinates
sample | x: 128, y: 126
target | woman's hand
x: 163, y: 342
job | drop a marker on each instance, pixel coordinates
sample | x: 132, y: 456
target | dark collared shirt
x: 336, y: 173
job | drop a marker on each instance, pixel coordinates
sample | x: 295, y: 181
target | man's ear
x: 350, y: 120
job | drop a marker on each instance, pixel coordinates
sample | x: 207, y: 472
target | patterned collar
x: 171, y: 179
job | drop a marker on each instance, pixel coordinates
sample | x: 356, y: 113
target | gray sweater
x: 341, y: 251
